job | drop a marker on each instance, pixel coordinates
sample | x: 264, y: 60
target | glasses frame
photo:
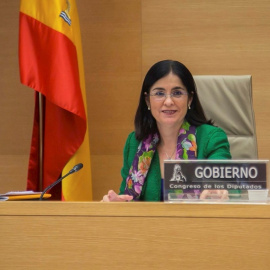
x: 160, y: 98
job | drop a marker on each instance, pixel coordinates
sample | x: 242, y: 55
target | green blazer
x: 212, y: 143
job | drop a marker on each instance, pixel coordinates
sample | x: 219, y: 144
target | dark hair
x: 145, y: 123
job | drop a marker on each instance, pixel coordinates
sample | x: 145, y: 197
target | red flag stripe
x: 56, y: 73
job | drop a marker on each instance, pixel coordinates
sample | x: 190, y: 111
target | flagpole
x: 40, y: 100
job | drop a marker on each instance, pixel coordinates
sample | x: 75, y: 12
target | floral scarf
x: 186, y: 149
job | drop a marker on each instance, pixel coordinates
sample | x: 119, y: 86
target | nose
x: 168, y: 100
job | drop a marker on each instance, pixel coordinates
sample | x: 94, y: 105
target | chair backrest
x: 228, y: 101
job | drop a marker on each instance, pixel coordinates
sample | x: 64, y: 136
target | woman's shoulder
x: 206, y: 132
x: 131, y: 140
x: 208, y: 129
x: 130, y: 149
x: 132, y: 137
x: 212, y: 142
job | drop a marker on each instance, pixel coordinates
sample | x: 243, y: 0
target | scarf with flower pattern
x: 186, y: 149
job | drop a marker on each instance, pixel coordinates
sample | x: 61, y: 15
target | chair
x: 228, y: 101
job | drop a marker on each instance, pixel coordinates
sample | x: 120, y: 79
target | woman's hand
x: 221, y: 194
x: 114, y: 197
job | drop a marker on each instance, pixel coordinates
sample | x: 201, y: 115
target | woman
x: 169, y: 124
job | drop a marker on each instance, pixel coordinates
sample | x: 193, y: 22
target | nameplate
x: 185, y: 175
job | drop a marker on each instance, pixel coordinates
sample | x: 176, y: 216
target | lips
x: 169, y: 112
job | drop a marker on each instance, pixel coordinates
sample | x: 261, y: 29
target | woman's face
x: 169, y: 111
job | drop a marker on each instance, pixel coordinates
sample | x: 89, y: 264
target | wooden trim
x: 138, y: 209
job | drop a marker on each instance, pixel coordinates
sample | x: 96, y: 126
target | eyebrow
x: 174, y: 88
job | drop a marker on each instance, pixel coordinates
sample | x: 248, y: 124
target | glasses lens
x: 178, y: 94
x: 159, y: 95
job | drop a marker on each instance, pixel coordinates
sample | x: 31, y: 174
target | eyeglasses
x: 160, y: 95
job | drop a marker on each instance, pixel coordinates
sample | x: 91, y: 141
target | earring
x: 189, y: 107
x: 149, y: 108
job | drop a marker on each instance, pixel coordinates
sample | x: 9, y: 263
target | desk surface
x: 95, y: 235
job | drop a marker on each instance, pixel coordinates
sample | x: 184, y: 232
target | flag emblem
x: 65, y: 14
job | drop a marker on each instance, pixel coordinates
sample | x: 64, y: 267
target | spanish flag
x: 50, y: 59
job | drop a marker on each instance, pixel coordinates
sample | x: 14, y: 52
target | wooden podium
x: 95, y: 235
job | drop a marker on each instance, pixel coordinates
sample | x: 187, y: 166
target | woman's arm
x: 216, y: 147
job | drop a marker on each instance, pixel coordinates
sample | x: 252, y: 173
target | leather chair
x: 228, y: 101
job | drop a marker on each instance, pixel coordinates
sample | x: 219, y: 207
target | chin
x: 171, y: 123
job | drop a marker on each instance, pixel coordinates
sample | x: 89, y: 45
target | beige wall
x: 121, y: 40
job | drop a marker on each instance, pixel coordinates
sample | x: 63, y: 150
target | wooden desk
x: 94, y: 235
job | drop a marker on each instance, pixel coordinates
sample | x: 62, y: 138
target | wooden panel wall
x: 214, y: 37
x: 111, y: 38
x: 121, y: 40
x: 16, y: 104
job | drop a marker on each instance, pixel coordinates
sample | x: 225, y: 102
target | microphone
x: 73, y: 170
